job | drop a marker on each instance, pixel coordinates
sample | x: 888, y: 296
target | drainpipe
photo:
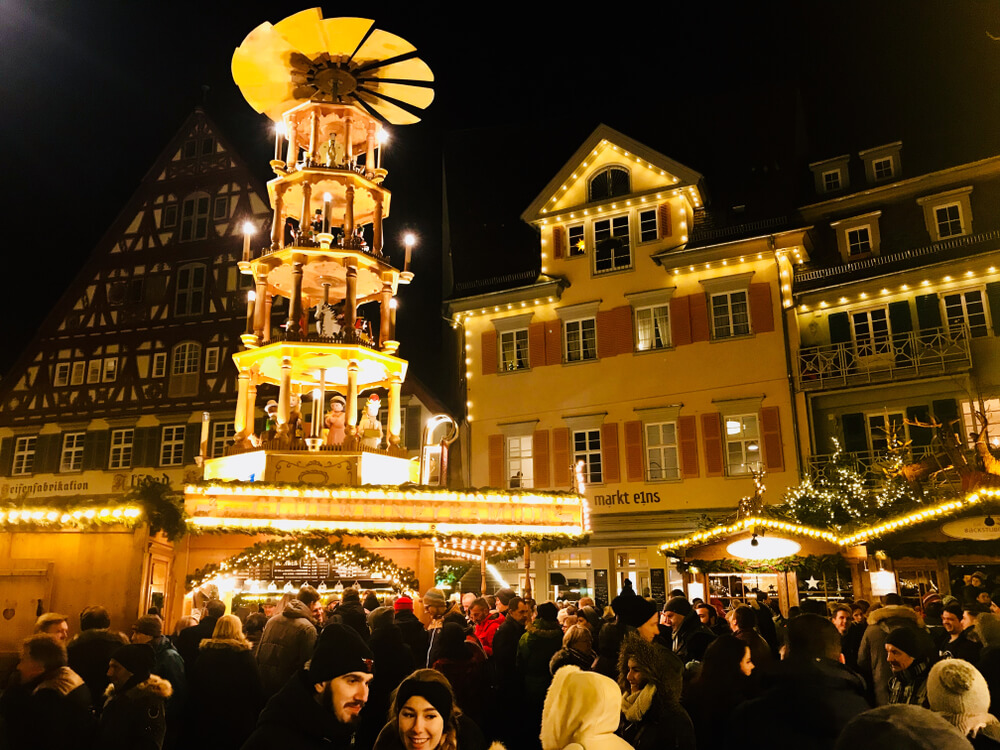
x: 788, y: 358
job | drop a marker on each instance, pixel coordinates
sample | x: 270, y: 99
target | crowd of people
x: 502, y: 671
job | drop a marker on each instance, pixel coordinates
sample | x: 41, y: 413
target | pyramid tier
x: 334, y: 182
x: 309, y: 358
x: 324, y: 266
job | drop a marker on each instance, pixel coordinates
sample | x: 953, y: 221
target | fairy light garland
x: 54, y: 517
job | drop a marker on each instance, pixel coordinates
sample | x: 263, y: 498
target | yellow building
x: 647, y: 361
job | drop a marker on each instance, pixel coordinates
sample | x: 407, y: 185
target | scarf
x: 635, y: 705
x: 974, y: 725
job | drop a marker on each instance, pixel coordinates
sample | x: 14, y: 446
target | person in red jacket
x: 486, y: 623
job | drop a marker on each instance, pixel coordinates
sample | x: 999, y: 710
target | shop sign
x: 624, y: 499
x: 975, y: 528
x: 84, y: 484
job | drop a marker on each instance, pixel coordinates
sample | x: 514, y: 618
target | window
x: 859, y: 241
x: 587, y: 448
x: 94, y: 369
x: 121, y: 449
x: 882, y: 427
x: 186, y: 358
x: 871, y: 332
x: 172, y: 447
x: 159, y: 364
x: 647, y: 226
x: 79, y: 373
x: 208, y: 146
x: 882, y: 168
x: 194, y: 218
x: 661, y: 451
x: 730, y: 315
x: 519, y: 463
x: 169, y: 216
x: 72, y: 451
x: 190, y: 290
x: 652, y: 328
x: 110, y: 369
x: 577, y: 243
x: 742, y: 444
x: 221, y: 210
x: 611, y: 245
x: 610, y: 183
x: 222, y: 434
x: 212, y: 359
x: 966, y: 309
x: 949, y: 220
x: 831, y: 180
x: 24, y: 455
x: 62, y: 374
x: 581, y: 340
x: 514, y: 350
x: 189, y: 150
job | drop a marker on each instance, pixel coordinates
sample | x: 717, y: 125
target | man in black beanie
x: 689, y: 638
x: 134, y: 715
x: 320, y: 707
x: 910, y: 654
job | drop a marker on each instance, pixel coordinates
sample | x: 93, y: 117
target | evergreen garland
x: 818, y: 563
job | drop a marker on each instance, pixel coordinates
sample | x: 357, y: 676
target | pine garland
x: 818, y: 563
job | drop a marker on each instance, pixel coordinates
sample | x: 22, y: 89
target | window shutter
x: 761, y: 312
x: 993, y: 295
x: 540, y: 457
x: 623, y: 328
x: 840, y: 328
x: 536, y: 345
x: 553, y: 343
x: 663, y: 214
x: 560, y: 458
x: 855, y: 434
x: 48, y: 452
x: 680, y: 320
x: 899, y: 317
x: 495, y: 451
x: 770, y: 424
x: 610, y: 463
x: 687, y: 431
x: 7, y: 455
x: 700, y: 330
x: 711, y: 433
x: 413, y: 428
x: 606, y: 344
x: 192, y: 442
x: 558, y: 241
x: 946, y: 411
x: 489, y: 352
x: 928, y: 311
x: 95, y: 450
x: 146, y: 446
x: 919, y: 436
x: 634, y: 465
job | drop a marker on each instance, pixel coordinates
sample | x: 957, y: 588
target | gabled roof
x: 606, y: 137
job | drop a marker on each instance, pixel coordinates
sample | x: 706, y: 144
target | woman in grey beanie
x: 958, y: 692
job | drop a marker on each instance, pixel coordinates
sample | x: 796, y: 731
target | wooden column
x: 349, y: 213
x: 527, y: 572
x: 260, y: 308
x: 377, y: 224
x: 293, y: 331
x: 385, y: 319
x: 306, y: 207
x: 348, y: 145
x: 351, y: 300
x: 251, y: 405
x: 268, y: 301
x: 370, y: 152
x: 292, y: 154
x: 352, y: 397
x: 395, y: 385
x: 240, y: 418
x: 277, y: 228
x: 313, y: 137
x: 285, y: 391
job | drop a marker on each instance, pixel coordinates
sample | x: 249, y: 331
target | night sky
x: 746, y: 94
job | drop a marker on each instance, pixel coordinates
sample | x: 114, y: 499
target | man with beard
x: 320, y: 707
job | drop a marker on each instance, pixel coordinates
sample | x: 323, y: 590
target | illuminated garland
x: 828, y: 563
x: 314, y: 548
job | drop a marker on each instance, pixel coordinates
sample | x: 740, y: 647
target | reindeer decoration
x: 953, y: 456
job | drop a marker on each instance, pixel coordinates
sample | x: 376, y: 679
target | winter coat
x: 89, y: 655
x: 566, y: 656
x: 810, y: 700
x: 135, y: 717
x: 989, y: 666
x: 190, y: 638
x: 765, y: 626
x: 469, y: 737
x: 170, y: 666
x: 582, y: 712
x: 394, y: 661
x: 962, y: 647
x: 414, y: 633
x: 352, y: 614
x: 293, y: 719
x: 505, y: 642
x: 691, y: 639
x: 871, y: 653
x: 534, y: 652
x: 653, y: 718
x: 287, y: 644
x: 468, y: 679
x: 53, y: 710
x: 486, y: 631
x: 711, y: 706
x: 609, y: 643
x: 226, y: 694
x: 665, y: 726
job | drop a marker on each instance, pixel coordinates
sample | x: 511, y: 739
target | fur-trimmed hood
x: 153, y: 687
x: 225, y: 643
x: 664, y: 670
x: 901, y: 614
x: 63, y: 680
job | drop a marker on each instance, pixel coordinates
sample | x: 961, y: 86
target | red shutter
x: 687, y: 429
x: 770, y: 430
x: 553, y: 342
x: 761, y: 312
x: 663, y: 211
x: 558, y: 241
x: 634, y: 465
x: 607, y: 346
x: 680, y: 320
x: 495, y: 451
x: 560, y: 458
x: 540, y: 457
x: 489, y: 353
x: 610, y: 464
x: 623, y: 329
x: 699, y: 318
x: 711, y: 433
x: 536, y: 344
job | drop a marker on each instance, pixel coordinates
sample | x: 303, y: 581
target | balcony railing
x: 918, y: 354
x: 873, y: 466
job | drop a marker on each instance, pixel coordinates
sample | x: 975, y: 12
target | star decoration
x: 811, y: 582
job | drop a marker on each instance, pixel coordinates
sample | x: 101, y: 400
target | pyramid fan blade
x: 416, y: 96
x: 413, y: 69
x: 304, y: 31
x: 368, y: 108
x: 258, y: 62
x: 382, y: 45
x: 391, y: 113
x: 343, y: 35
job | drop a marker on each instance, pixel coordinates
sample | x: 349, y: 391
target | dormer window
x: 610, y: 183
x: 882, y: 169
x: 858, y: 237
x: 859, y: 241
x: 830, y: 175
x: 947, y: 214
x: 882, y: 163
x: 831, y: 180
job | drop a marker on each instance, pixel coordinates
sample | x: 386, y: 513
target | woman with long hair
x: 650, y: 679
x: 722, y: 684
x: 578, y: 649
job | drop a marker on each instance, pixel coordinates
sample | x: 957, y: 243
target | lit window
x: 24, y: 455
x: 194, y: 218
x: 610, y: 183
x: 94, y: 369
x: 222, y: 435
x: 577, y: 243
x: 581, y: 340
x: 121, y: 449
x: 661, y: 451
x: 72, y: 451
x: 611, y: 245
x: 647, y: 226
x: 652, y: 327
x: 190, y: 290
x: 730, y: 315
x: 859, y: 241
x: 831, y: 180
x: 514, y: 350
x: 62, y: 374
x: 968, y: 310
x: 172, y: 446
x: 587, y: 448
x: 79, y: 373
x: 871, y: 332
x: 949, y: 220
x: 742, y: 444
x: 212, y: 359
x: 110, y: 369
x: 519, y: 463
x: 882, y: 168
x: 159, y: 364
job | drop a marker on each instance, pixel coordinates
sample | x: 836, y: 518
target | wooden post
x: 527, y: 571
x: 482, y: 571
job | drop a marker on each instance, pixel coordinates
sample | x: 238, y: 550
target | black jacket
x: 394, y: 661
x: 414, y: 633
x: 190, y: 638
x: 89, y: 654
x: 226, y: 694
x: 53, y: 710
x: 504, y: 657
x: 352, y: 614
x: 135, y: 717
x: 691, y: 638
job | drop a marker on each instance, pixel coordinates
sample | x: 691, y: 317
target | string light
x: 75, y: 518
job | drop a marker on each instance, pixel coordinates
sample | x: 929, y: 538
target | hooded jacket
x: 871, y: 653
x: 134, y: 718
x: 226, y: 693
x: 537, y: 646
x: 582, y: 711
x: 486, y: 631
x: 285, y: 646
x: 655, y: 720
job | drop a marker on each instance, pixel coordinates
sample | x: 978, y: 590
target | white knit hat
x: 957, y: 691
